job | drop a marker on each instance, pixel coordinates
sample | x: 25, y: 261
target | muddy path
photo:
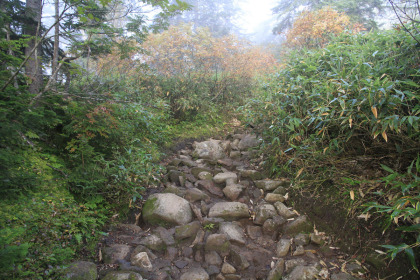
x: 217, y: 216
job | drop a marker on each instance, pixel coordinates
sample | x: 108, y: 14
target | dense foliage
x: 357, y: 97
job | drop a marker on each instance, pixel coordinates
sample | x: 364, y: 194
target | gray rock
x: 115, y: 252
x: 273, y: 197
x: 142, y: 260
x: 251, y: 174
x: 269, y: 185
x: 167, y: 208
x: 273, y: 225
x: 303, y: 273
x: 283, y: 247
x: 229, y: 210
x: 228, y: 268
x: 171, y: 253
x: 153, y: 242
x: 301, y: 239
x: 170, y: 188
x: 301, y: 224
x: 284, y: 211
x: 210, y: 149
x: 248, y: 141
x: 239, y: 260
x: 264, y: 212
x: 122, y: 275
x: 188, y: 162
x: 195, y: 274
x: 210, y: 187
x: 213, y: 269
x: 204, y: 175
x: 197, y: 170
x: 232, y: 277
x: 280, y: 190
x: 81, y: 270
x: 233, y: 191
x: 218, y: 243
x: 195, y: 194
x: 226, y: 162
x: 235, y: 154
x: 233, y: 232
x: 181, y: 263
x: 317, y: 239
x: 187, y: 231
x: 225, y: 176
x: 213, y: 258
x: 299, y: 251
x: 253, y: 231
x: 165, y: 235
x: 174, y: 176
x: 277, y: 271
x: 290, y: 264
x: 187, y: 252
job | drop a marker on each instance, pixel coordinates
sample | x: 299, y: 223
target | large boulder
x: 210, y: 149
x: 167, y: 208
x: 300, y: 224
x: 81, y: 270
x: 229, y: 210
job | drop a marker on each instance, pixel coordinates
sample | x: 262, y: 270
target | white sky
x: 255, y: 13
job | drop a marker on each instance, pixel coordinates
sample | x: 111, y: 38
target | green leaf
x: 386, y: 168
x: 410, y: 254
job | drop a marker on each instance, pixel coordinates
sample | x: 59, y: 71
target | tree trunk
x: 33, y: 67
x: 56, y: 40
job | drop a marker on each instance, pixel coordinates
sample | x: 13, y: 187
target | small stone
x: 220, y: 277
x: 233, y: 191
x: 165, y: 235
x: 218, y: 243
x: 301, y: 224
x: 233, y: 231
x: 187, y: 231
x: 268, y: 185
x: 194, y: 194
x: 153, y: 242
x: 213, y: 258
x: 205, y: 175
x: 81, y: 270
x: 253, y: 231
x: 239, y: 260
x: 210, y: 187
x: 228, y: 268
x: 232, y: 277
x: 198, y: 257
x: 303, y: 272
x: 264, y: 212
x: 280, y: 190
x: 251, y: 174
x: 174, y: 176
x: 195, y: 274
x: 317, y: 239
x: 142, y: 260
x: 210, y: 149
x: 197, y: 170
x: 283, y: 247
x: 229, y: 210
x: 342, y: 276
x: 301, y: 239
x: 284, y: 211
x: 122, y: 275
x: 226, y: 162
x: 171, y: 253
x: 299, y: 251
x: 223, y: 177
x: 181, y: 264
x: 212, y: 270
x: 248, y: 141
x: 115, y: 252
x: 277, y: 271
x: 187, y: 252
x: 290, y: 264
x: 235, y: 154
x: 273, y: 197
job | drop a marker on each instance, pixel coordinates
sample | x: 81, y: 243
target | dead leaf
x: 385, y: 136
x: 374, y: 111
x: 350, y: 122
x: 361, y: 193
x: 299, y: 172
x: 364, y: 216
x: 352, y: 195
x: 323, y: 263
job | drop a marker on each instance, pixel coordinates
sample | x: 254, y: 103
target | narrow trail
x: 217, y: 217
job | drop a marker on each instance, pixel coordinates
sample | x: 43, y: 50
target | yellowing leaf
x: 350, y: 122
x: 374, y: 111
x: 352, y: 195
x: 385, y: 136
x: 299, y: 172
x: 325, y: 149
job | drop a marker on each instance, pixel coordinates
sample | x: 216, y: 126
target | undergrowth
x: 349, y: 110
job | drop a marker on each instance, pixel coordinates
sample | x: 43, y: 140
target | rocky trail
x: 217, y: 217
